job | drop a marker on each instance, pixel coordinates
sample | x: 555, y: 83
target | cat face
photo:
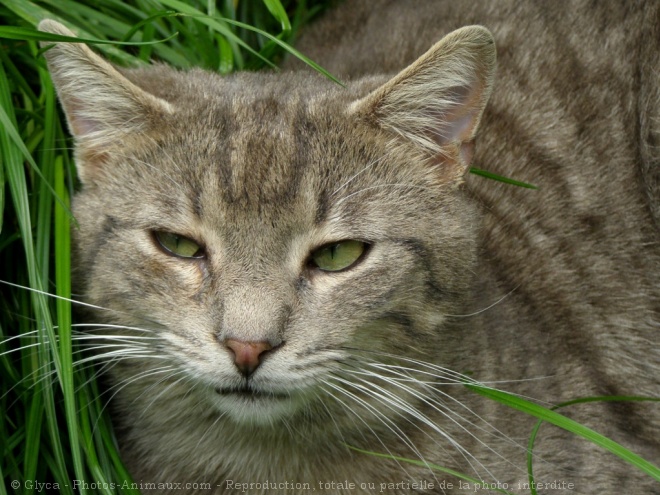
x: 266, y: 242
x: 259, y: 201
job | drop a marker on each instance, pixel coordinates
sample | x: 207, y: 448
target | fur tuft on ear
x: 101, y: 105
x: 437, y: 102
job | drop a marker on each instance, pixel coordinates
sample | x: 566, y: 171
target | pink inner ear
x: 456, y: 128
x: 79, y: 120
x: 83, y: 127
x: 467, y: 152
x: 459, y: 121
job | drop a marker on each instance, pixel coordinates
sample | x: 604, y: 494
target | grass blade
x: 500, y: 178
x: 288, y: 48
x: 26, y: 34
x: 213, y: 22
x: 568, y: 424
x: 476, y: 483
x: 584, y: 400
x: 279, y: 12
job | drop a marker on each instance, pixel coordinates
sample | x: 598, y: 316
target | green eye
x: 338, y: 256
x: 178, y: 245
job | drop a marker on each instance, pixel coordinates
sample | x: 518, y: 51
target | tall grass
x: 54, y: 427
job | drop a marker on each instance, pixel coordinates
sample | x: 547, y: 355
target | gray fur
x: 552, y: 294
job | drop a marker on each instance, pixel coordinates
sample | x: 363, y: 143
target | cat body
x: 552, y: 293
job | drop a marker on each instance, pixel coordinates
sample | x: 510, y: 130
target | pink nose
x: 247, y: 355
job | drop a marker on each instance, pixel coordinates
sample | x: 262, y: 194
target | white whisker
x: 73, y: 301
x: 359, y: 417
x: 381, y: 186
x: 364, y: 169
x: 398, y: 406
x: 486, y: 308
x: 448, y: 413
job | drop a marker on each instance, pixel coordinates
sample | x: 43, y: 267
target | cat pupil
x: 338, y: 256
x: 178, y: 245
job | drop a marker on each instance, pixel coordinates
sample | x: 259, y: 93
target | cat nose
x: 247, y: 355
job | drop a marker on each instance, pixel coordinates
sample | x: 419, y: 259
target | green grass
x: 543, y: 414
x: 552, y: 417
x: 54, y: 427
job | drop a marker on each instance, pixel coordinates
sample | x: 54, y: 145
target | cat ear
x: 437, y: 102
x: 101, y: 105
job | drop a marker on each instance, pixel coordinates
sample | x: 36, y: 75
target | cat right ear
x: 101, y: 105
x: 437, y: 102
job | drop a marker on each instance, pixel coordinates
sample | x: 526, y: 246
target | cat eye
x: 178, y: 245
x: 338, y: 256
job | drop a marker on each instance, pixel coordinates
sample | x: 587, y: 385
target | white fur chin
x: 260, y: 410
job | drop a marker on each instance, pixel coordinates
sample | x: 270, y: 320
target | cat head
x: 272, y: 232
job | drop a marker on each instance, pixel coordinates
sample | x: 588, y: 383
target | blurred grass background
x: 54, y: 426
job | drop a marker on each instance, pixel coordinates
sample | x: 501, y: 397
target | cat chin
x: 246, y: 407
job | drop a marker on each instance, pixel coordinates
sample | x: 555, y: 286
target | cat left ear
x: 437, y: 102
x: 102, y: 106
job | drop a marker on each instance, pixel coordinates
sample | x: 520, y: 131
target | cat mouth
x: 248, y: 392
x: 250, y: 405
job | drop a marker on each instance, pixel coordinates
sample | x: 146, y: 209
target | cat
x: 299, y: 271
